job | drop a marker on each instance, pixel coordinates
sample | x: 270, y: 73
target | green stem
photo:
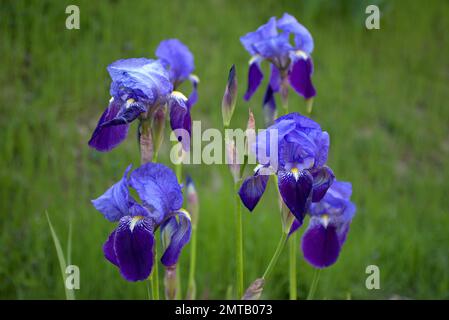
x: 154, y: 279
x: 276, y: 255
x: 314, y: 285
x: 238, y: 241
x: 191, y: 288
x: 292, y: 265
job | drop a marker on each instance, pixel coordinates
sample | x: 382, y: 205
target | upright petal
x: 176, y: 233
x: 252, y: 190
x: 322, y: 180
x: 300, y: 77
x: 255, y: 77
x: 133, y: 246
x: 106, y: 138
x: 143, y: 77
x: 320, y: 245
x: 114, y: 203
x: 275, y: 48
x: 295, y: 188
x: 177, y: 57
x: 264, y: 31
x: 158, y: 188
x: 303, y: 38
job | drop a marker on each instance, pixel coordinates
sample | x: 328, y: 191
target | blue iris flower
x: 329, y: 224
x: 130, y: 246
x: 290, y: 60
x: 294, y: 148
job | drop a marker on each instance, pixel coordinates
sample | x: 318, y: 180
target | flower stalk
x: 314, y: 285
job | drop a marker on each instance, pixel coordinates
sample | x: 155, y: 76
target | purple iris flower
x: 328, y: 226
x: 295, y: 149
x: 139, y: 87
x: 178, y: 59
x: 130, y: 246
x: 290, y: 60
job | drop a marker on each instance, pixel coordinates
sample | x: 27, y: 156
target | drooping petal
x: 133, y: 246
x: 255, y: 77
x: 303, y: 38
x: 252, y: 190
x: 108, y: 249
x: 300, y: 77
x: 295, y: 188
x: 106, y: 138
x: 275, y: 78
x: 193, y: 97
x: 139, y: 77
x: 264, y: 31
x: 127, y: 114
x: 180, y: 116
x: 175, y: 235
x: 322, y: 180
x: 158, y: 188
x: 177, y: 57
x: 320, y: 245
x: 114, y: 203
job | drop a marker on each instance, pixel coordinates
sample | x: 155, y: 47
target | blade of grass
x: 62, y: 264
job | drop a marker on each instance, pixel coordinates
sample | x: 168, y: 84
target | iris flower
x: 299, y: 163
x: 290, y: 61
x: 139, y: 87
x: 329, y: 224
x: 130, y: 245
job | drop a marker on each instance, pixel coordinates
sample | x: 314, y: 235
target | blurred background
x: 382, y: 95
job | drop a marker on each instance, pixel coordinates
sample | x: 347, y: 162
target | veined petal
x: 128, y: 113
x: 108, y: 249
x: 133, y: 245
x: 252, y: 190
x: 322, y: 180
x: 193, y: 97
x: 255, y: 77
x: 176, y: 233
x: 158, y: 188
x: 106, y: 138
x: 320, y: 245
x: 295, y: 188
x: 114, y: 203
x: 300, y: 77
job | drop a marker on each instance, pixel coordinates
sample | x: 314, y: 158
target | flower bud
x: 254, y: 291
x: 229, y: 98
x: 158, y: 127
x: 170, y: 283
x: 192, y: 201
x: 232, y: 159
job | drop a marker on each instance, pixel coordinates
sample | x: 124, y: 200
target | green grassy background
x: 382, y: 95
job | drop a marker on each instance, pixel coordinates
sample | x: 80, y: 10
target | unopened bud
x: 232, y: 159
x: 170, y: 283
x: 255, y: 290
x: 192, y: 201
x: 229, y: 98
x: 158, y: 127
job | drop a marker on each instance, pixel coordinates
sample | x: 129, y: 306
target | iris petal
x: 108, y: 249
x: 114, y: 203
x: 177, y: 57
x: 133, y: 246
x: 300, y: 77
x: 295, y: 226
x: 252, y: 190
x: 158, y: 188
x: 269, y: 106
x: 320, y: 245
x: 193, y: 97
x: 180, y: 118
x: 322, y: 180
x: 126, y: 115
x: 255, y: 77
x: 175, y: 235
x: 295, y: 189
x: 106, y: 138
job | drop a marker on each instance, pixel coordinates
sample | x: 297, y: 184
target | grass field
x: 382, y: 95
